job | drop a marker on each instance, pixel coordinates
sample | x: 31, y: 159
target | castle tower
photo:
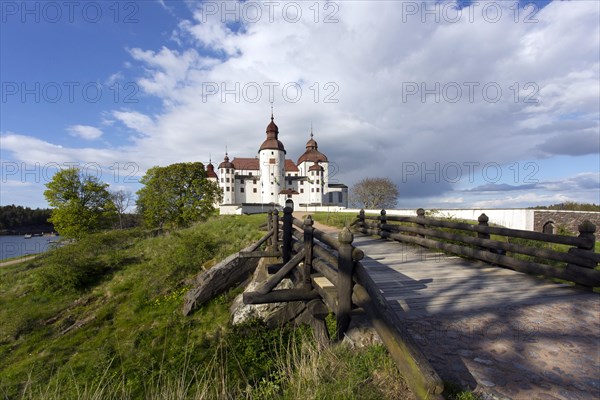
x: 312, y: 155
x: 315, y: 180
x: 271, y: 157
x: 211, y: 175
x: 227, y: 174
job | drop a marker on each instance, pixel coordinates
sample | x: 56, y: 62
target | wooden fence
x: 577, y: 265
x: 327, y: 274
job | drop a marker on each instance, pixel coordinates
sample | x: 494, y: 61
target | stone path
x: 504, y: 334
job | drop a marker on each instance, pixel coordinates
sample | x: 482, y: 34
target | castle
x: 272, y: 179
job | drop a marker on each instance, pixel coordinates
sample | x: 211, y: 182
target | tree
x: 177, y: 195
x: 121, y: 199
x: 374, y: 193
x: 81, y: 203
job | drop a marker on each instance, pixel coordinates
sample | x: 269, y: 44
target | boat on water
x: 28, y: 236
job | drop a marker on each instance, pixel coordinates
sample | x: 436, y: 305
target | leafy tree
x: 81, y: 203
x: 177, y: 195
x: 374, y: 193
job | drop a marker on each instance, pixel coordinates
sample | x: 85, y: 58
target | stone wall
x: 555, y: 220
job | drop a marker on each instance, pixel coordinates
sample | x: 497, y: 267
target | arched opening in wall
x: 549, y: 227
x: 289, y: 203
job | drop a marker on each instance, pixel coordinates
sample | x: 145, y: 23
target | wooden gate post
x: 483, y: 221
x: 286, y: 250
x: 308, y: 252
x: 344, y: 283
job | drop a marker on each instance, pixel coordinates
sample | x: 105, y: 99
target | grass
x: 101, y: 319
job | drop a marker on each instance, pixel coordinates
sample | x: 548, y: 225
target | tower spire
x: 311, y: 130
x: 271, y: 111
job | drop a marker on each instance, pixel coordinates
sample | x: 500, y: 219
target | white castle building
x: 270, y: 178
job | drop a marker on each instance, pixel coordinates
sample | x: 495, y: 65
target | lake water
x: 16, y: 246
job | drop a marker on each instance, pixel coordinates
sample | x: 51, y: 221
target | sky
x: 470, y: 104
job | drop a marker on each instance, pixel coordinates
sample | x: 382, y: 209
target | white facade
x: 271, y: 178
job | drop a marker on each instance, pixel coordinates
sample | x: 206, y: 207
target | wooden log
x: 260, y: 254
x: 582, y: 259
x: 494, y: 230
x: 280, y: 296
x: 413, y: 365
x: 328, y: 240
x: 279, y: 275
x: 260, y: 241
x: 326, y: 270
x: 308, y: 253
x: 344, y: 282
x: 286, y: 248
x: 228, y: 273
x: 275, y: 237
x: 582, y: 276
x: 326, y: 291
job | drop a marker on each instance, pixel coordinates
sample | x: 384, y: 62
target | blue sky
x: 470, y: 104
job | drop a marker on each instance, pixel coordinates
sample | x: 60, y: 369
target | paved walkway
x: 500, y: 332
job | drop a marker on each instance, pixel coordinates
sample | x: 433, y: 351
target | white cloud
x: 371, y: 58
x: 85, y: 132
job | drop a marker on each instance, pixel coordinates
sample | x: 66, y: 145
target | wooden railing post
x: 275, y: 238
x: 344, y: 283
x: 382, y: 220
x: 361, y: 219
x: 308, y: 251
x: 421, y: 215
x: 483, y: 221
x: 286, y: 250
x: 586, y: 231
x: 269, y: 220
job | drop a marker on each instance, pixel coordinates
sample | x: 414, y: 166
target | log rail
x: 578, y: 265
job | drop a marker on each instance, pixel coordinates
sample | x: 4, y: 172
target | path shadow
x: 498, y: 331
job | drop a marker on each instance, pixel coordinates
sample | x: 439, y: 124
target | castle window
x: 340, y: 197
x: 271, y: 161
x: 318, y: 181
x: 301, y: 190
x: 272, y: 154
x: 241, y: 190
x: 312, y: 190
x: 227, y: 180
x: 254, y: 190
x: 331, y: 197
x: 318, y: 190
x: 242, y: 181
x: 289, y: 196
x: 250, y: 173
x: 289, y: 182
x: 254, y: 181
x: 301, y: 183
x: 222, y: 180
x: 227, y: 188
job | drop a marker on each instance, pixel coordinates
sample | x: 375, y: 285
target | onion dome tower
x: 227, y: 173
x: 272, y: 164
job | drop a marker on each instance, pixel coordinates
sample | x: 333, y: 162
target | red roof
x: 210, y: 171
x: 246, y: 163
x: 253, y: 164
x: 290, y: 166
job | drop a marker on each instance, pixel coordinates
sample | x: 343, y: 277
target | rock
x: 272, y: 313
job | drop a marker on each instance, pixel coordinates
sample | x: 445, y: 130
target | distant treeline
x: 570, y: 206
x: 19, y: 219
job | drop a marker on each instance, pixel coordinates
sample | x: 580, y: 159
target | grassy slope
x: 102, y: 319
